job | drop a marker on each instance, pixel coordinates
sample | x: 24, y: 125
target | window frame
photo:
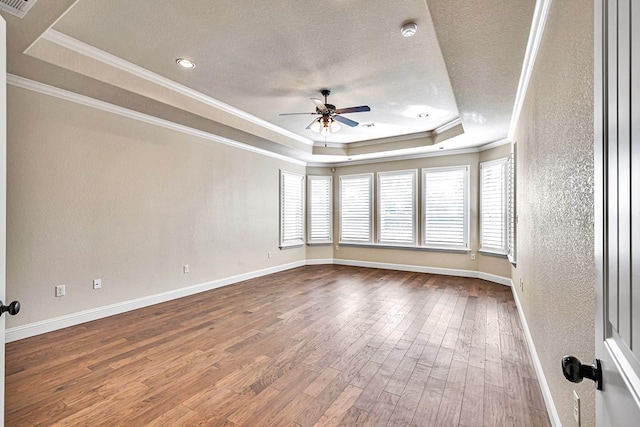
x: 414, y: 208
x: 342, y: 180
x: 310, y: 197
x: 464, y: 246
x: 287, y: 177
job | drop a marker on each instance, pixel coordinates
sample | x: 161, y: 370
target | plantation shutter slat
x: 319, y: 196
x: 511, y: 208
x: 445, y: 207
x: 291, y: 209
x: 396, y: 207
x: 355, y: 208
x: 493, y: 207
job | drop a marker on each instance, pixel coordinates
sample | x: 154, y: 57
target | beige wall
x: 555, y: 202
x: 96, y: 195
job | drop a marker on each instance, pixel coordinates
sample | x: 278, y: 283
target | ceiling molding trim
x: 390, y: 139
x: 540, y: 15
x: 116, y: 62
x: 330, y: 144
x: 437, y: 153
x: 125, y: 112
x: 426, y: 134
x: 494, y: 144
x: 445, y: 127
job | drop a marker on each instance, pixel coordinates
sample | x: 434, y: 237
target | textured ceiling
x: 256, y: 60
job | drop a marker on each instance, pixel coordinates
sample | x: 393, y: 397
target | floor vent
x: 18, y: 8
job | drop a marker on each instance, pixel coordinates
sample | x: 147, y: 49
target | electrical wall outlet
x: 473, y: 257
x: 576, y: 408
x: 60, y: 290
x: 521, y: 284
x: 337, y: 248
x: 185, y: 268
x: 97, y: 283
x: 269, y: 254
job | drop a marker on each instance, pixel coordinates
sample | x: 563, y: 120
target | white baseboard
x: 546, y: 392
x: 422, y: 269
x: 49, y: 325
x: 323, y: 261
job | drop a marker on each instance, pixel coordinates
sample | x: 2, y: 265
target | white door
x: 617, y: 199
x: 3, y: 199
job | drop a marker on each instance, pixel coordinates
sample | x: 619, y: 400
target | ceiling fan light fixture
x: 325, y: 126
x: 185, y: 63
x: 409, y: 29
x: 316, y: 126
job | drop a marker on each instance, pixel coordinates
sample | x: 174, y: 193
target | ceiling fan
x: 327, y: 123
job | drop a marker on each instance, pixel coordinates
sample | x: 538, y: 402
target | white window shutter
x: 319, y: 198
x: 356, y: 203
x: 291, y: 209
x: 446, y: 207
x: 511, y: 207
x: 397, y: 207
x: 493, y: 206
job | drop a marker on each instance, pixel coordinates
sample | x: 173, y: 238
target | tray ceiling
x: 255, y: 60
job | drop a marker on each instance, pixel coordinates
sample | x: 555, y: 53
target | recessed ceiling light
x: 409, y: 29
x: 423, y: 115
x: 185, y: 63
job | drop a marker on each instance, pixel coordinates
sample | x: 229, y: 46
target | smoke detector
x: 17, y: 8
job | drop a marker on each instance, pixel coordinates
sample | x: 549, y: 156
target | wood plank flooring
x: 313, y: 346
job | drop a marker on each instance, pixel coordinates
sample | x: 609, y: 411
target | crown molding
x: 445, y: 127
x: 125, y: 112
x: 368, y: 142
x: 494, y: 144
x: 395, y: 158
x: 92, y: 52
x: 540, y: 15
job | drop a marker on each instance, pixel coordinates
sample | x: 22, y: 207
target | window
x: 291, y: 209
x: 356, y: 205
x: 397, y: 207
x: 319, y: 199
x: 511, y: 206
x: 445, y: 207
x: 493, y: 207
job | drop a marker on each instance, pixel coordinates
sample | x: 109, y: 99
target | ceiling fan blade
x: 320, y: 105
x: 311, y: 124
x: 353, y: 109
x: 295, y: 114
x: 345, y: 121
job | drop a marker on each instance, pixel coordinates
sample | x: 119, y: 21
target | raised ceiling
x: 256, y: 60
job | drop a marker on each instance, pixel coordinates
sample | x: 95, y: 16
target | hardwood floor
x: 317, y: 345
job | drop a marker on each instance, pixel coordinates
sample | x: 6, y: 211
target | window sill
x: 492, y: 253
x: 406, y: 247
x: 319, y: 243
x: 291, y: 246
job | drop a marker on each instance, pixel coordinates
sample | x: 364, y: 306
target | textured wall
x: 96, y: 195
x: 555, y: 201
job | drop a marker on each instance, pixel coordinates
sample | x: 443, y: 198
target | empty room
x: 302, y: 213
